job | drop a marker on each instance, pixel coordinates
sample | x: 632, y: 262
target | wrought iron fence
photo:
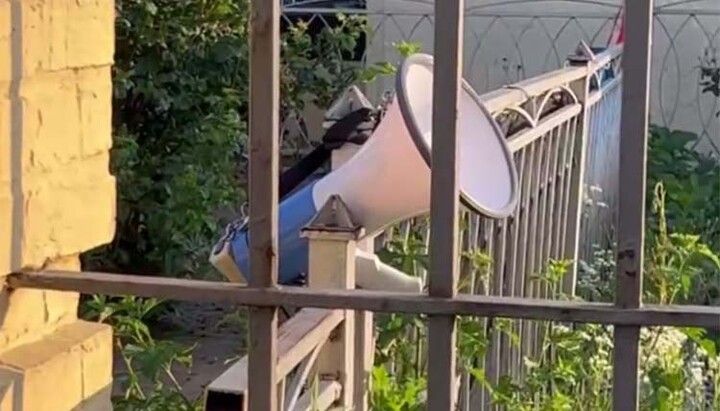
x: 508, y: 41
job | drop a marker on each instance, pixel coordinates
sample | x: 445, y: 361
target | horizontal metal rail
x: 377, y: 301
x: 594, y: 15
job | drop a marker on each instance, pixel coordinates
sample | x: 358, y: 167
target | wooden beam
x: 376, y: 301
x: 263, y: 178
x: 444, y: 200
x: 322, y: 398
x: 307, y: 329
x: 631, y: 209
x: 297, y: 339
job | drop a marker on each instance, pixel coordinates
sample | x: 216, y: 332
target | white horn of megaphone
x: 388, y: 181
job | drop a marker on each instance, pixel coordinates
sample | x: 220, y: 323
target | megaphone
x: 388, y: 180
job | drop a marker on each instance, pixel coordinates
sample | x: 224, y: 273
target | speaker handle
x: 355, y: 128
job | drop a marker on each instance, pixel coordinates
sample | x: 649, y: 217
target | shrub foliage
x: 180, y: 111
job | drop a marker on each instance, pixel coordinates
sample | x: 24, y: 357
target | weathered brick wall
x: 57, y: 197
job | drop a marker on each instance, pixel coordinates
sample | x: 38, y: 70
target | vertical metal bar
x: 513, y: 271
x: 577, y: 182
x: 264, y: 133
x: 530, y: 327
x: 444, y: 200
x: 525, y: 217
x: 500, y: 352
x: 542, y: 258
x: 553, y: 180
x: 561, y: 195
x: 523, y: 223
x: 631, y: 217
x: 567, y: 183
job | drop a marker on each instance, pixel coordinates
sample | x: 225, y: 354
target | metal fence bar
x: 444, y: 201
x: 577, y: 182
x: 263, y: 176
x: 631, y: 212
x: 376, y: 301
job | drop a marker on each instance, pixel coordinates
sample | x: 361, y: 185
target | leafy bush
x: 692, y: 184
x: 180, y: 111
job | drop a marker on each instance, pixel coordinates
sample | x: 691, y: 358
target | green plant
x: 680, y: 268
x: 691, y: 181
x: 150, y: 382
x: 403, y: 49
x: 391, y: 393
x: 572, y: 369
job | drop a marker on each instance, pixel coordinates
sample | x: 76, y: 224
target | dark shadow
x: 16, y: 148
x: 224, y: 401
x: 100, y: 400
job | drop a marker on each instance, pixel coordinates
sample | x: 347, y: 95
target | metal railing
x: 509, y: 41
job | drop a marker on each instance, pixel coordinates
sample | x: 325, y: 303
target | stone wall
x: 57, y: 197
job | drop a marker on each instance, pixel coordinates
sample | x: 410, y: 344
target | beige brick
x: 64, y: 115
x: 50, y: 373
x: 61, y: 306
x: 23, y: 313
x: 5, y: 143
x: 97, y: 365
x: 64, y: 212
x: 56, y: 34
x: 91, y: 36
x: 6, y: 228
x: 50, y: 120
x: 31, y: 314
x: 95, y: 99
x: 35, y: 34
x: 69, y: 210
x: 5, y: 43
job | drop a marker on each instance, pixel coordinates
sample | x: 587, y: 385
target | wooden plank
x: 299, y: 380
x: 262, y: 392
x: 376, y: 301
x: 297, y: 339
x: 322, y: 398
x: 444, y: 200
x: 301, y: 334
x: 631, y: 209
x: 263, y: 182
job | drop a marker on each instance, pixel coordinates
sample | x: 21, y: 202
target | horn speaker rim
x: 425, y: 150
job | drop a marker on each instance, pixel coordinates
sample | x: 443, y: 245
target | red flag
x: 618, y: 33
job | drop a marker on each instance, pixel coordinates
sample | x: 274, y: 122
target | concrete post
x: 332, y: 235
x: 57, y: 198
x: 364, y: 320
